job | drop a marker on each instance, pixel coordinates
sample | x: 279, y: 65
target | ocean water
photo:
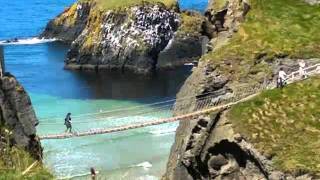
x: 197, y: 5
x: 38, y: 65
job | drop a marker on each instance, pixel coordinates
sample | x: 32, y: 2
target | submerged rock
x: 17, y: 115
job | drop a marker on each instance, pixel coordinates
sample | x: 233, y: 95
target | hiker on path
x: 67, y: 122
x: 302, y: 71
x: 282, y: 76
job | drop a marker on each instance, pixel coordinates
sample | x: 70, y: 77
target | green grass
x: 118, y: 4
x: 191, y: 24
x: 14, y: 161
x: 275, y: 28
x: 284, y: 124
x: 218, y: 4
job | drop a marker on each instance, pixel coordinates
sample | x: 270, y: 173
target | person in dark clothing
x: 67, y: 122
x: 93, y: 173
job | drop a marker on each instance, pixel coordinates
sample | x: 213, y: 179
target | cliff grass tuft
x: 68, y: 18
x: 118, y: 4
x: 284, y: 124
x: 14, y: 161
x: 191, y: 24
x: 273, y: 28
x: 218, y: 4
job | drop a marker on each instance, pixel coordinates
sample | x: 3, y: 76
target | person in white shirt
x: 281, y: 78
x: 302, y: 72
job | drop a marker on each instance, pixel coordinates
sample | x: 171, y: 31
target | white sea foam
x: 147, y: 177
x: 74, y: 176
x: 28, y: 41
x: 146, y: 165
x: 161, y: 132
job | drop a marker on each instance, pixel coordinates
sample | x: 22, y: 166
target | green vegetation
x: 14, y: 161
x: 116, y: 4
x: 218, y: 4
x: 68, y: 18
x: 284, y: 124
x: 273, y: 28
x: 191, y: 24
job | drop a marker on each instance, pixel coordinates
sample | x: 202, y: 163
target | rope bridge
x: 208, y: 103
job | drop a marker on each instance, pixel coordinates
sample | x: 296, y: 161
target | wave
x: 161, y: 132
x: 74, y: 176
x: 147, y: 177
x: 28, y: 41
x: 146, y: 165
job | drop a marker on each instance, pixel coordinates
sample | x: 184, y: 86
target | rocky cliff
x: 138, y: 37
x: 17, y: 117
x: 248, y: 47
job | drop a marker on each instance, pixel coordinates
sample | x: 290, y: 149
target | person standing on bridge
x: 281, y: 78
x: 67, y: 122
x: 302, y: 71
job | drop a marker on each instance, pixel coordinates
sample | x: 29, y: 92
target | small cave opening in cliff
x: 231, y: 150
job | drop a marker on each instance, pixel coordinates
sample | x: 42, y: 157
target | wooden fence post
x: 2, y: 65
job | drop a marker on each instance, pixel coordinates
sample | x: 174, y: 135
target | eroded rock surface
x: 18, y: 116
x: 208, y: 148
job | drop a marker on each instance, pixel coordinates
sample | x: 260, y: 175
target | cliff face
x: 140, y: 38
x: 17, y: 115
x: 209, y: 147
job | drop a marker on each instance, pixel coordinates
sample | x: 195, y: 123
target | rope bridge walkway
x: 208, y: 103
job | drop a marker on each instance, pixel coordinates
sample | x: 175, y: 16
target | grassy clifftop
x: 274, y: 28
x: 14, y: 161
x: 116, y: 4
x: 284, y: 124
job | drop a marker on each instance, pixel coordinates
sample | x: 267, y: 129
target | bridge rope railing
x: 203, y: 105
x: 121, y: 110
x: 134, y: 109
x: 166, y: 107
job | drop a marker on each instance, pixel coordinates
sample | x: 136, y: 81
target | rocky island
x: 139, y: 36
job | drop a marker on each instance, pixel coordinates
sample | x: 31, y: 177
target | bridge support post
x: 2, y: 65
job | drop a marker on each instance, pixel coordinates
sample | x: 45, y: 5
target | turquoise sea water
x: 54, y: 92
